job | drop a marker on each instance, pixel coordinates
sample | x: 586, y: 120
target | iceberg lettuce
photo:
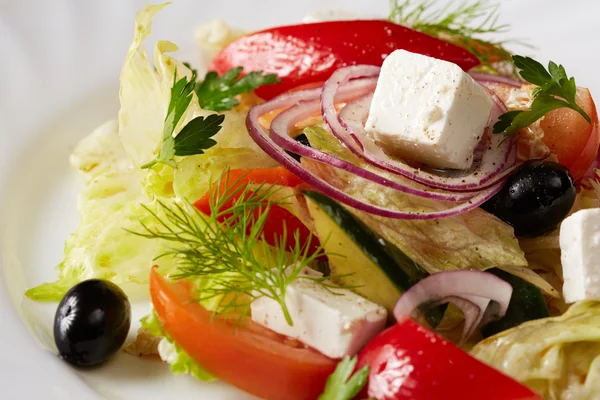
x: 116, y: 188
x: 109, y: 204
x: 559, y: 357
x: 179, y: 361
x: 145, y: 93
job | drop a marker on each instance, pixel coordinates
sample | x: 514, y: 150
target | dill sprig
x: 462, y: 23
x: 227, y: 250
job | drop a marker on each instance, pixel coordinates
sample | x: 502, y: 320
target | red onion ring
x: 328, y: 95
x: 473, y: 308
x: 472, y: 323
x: 473, y: 290
x: 262, y: 139
x: 354, y: 113
x: 286, y: 120
x: 483, y: 79
x: 494, y: 159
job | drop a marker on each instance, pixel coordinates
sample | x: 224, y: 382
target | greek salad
x: 345, y: 208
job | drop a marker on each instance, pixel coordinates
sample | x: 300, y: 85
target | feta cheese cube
x: 335, y: 325
x: 580, y: 255
x: 167, y: 351
x: 428, y: 110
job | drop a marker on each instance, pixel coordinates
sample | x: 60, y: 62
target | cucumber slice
x: 526, y: 303
x: 373, y: 267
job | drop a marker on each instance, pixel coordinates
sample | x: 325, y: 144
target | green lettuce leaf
x: 116, y: 189
x: 179, y: 361
x: 109, y: 205
x: 559, y: 357
x: 234, y: 149
x: 151, y: 323
x: 474, y: 240
x: 195, y: 174
x: 144, y: 95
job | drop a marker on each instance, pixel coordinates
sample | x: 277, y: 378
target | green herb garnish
x: 218, y: 93
x: 462, y: 23
x: 344, y: 383
x: 227, y: 249
x: 555, y: 90
x: 195, y: 137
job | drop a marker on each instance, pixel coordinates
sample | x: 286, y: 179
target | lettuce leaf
x: 116, y: 188
x: 234, y: 149
x: 474, y: 240
x: 151, y: 323
x: 559, y: 357
x: 144, y: 95
x: 179, y: 361
x: 110, y: 203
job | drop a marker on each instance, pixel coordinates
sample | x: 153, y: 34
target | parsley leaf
x: 195, y: 136
x: 514, y: 121
x: 531, y: 70
x: 343, y: 384
x: 505, y: 121
x: 555, y: 90
x: 218, y: 93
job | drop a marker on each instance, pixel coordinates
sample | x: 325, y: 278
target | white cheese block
x: 580, y: 255
x: 167, y: 351
x: 335, y: 325
x: 428, y: 110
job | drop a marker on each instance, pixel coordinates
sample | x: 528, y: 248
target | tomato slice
x: 589, y: 156
x: 248, y: 356
x: 410, y: 362
x: 307, y: 53
x: 568, y: 135
x: 281, y: 226
x: 240, y: 178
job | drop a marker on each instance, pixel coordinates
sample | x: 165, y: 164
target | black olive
x: 302, y: 139
x: 91, y: 322
x: 535, y: 199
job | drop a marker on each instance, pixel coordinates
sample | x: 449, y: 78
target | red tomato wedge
x: 279, y: 221
x: 306, y: 53
x: 410, y: 362
x: 249, y: 357
x: 568, y: 135
x: 276, y: 176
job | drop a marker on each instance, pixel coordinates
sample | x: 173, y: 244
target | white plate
x: 59, y: 69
